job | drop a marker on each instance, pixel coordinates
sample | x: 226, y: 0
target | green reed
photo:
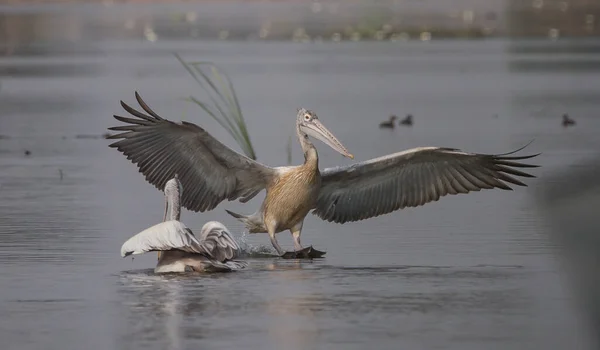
x: 223, y: 105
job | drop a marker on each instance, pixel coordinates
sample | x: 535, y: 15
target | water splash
x: 254, y: 251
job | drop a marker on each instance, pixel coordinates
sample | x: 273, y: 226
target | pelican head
x: 308, y: 123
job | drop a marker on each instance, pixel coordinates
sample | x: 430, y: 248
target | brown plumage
x: 292, y: 196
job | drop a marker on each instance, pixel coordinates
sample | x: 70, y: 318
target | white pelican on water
x: 211, y: 172
x: 178, y: 249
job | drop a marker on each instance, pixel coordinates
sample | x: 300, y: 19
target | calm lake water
x: 475, y: 271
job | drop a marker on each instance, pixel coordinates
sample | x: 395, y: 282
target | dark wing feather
x: 209, y: 171
x: 411, y: 178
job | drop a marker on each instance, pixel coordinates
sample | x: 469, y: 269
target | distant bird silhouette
x: 567, y: 120
x: 27, y: 152
x: 408, y: 120
x: 390, y: 123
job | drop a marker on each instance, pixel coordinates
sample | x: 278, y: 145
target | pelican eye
x: 307, y: 117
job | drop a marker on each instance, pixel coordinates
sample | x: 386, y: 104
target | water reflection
x: 292, y: 322
x: 156, y: 304
x: 569, y: 203
x: 304, y: 305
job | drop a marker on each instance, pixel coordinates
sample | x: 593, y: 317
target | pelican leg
x: 276, y: 245
x: 296, y: 232
x: 301, y: 253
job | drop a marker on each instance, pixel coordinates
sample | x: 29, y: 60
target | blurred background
x: 489, y: 270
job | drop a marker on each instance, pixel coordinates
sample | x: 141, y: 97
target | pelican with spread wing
x: 211, y: 173
x: 178, y: 249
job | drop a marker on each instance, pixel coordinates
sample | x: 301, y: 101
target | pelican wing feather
x: 168, y: 235
x: 218, y: 242
x: 209, y: 171
x: 412, y: 178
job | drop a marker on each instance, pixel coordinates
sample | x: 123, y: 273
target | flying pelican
x: 213, y: 172
x: 178, y: 249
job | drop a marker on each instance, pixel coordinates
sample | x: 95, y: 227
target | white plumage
x: 215, y: 250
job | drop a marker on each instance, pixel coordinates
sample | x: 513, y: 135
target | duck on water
x: 408, y: 121
x: 390, y: 124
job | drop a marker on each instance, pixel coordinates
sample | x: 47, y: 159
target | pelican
x: 178, y: 249
x: 213, y: 172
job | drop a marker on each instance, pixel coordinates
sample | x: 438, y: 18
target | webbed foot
x: 306, y: 253
x: 315, y: 254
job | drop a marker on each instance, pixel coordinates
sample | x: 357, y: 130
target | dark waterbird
x: 390, y: 124
x: 566, y: 120
x: 407, y: 121
x: 211, y: 172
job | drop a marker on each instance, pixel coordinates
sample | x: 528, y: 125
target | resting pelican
x: 213, y: 172
x: 181, y: 250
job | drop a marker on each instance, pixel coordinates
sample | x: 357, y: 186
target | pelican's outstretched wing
x: 209, y: 171
x: 411, y: 178
x: 168, y: 235
x: 217, y: 242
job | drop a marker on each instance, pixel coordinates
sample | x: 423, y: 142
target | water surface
x: 473, y: 271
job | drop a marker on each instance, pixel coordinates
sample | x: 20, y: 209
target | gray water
x: 476, y: 271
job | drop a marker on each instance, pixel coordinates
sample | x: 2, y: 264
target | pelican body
x: 213, y: 173
x: 178, y: 249
x: 293, y: 192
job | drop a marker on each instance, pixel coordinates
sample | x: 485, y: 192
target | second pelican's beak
x: 317, y: 130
